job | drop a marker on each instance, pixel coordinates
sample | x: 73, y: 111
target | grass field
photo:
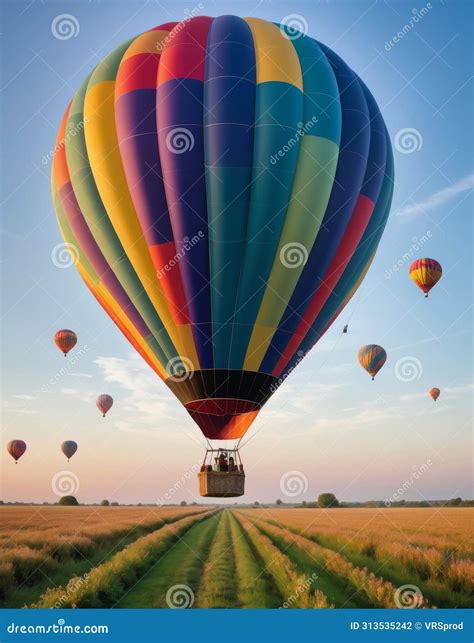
x: 266, y: 558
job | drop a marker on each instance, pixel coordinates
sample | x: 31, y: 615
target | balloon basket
x: 222, y: 474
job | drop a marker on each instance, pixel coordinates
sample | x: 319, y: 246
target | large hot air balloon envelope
x: 65, y: 340
x: 69, y: 448
x: 425, y: 273
x: 372, y: 357
x: 104, y: 403
x: 16, y: 448
x: 226, y: 182
x: 434, y: 393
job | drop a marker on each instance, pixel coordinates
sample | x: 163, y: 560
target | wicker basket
x: 221, y: 484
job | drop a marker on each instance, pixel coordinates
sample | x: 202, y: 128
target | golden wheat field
x: 264, y: 558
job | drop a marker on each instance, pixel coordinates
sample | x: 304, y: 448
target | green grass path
x: 182, y: 564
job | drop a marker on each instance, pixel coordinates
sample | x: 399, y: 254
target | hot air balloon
x: 69, y: 448
x: 104, y: 403
x: 65, y: 340
x: 425, y: 273
x: 372, y: 358
x: 434, y: 393
x: 16, y: 448
x: 226, y: 185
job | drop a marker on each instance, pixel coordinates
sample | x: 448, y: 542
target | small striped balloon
x: 372, y: 357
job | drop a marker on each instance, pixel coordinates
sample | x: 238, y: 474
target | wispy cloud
x: 24, y: 396
x: 438, y: 198
x: 82, y: 375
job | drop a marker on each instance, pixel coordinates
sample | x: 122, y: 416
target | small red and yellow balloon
x: 65, y: 340
x: 425, y: 273
x: 434, y: 393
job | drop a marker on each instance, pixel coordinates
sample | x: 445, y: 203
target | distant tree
x: 327, y: 500
x: 68, y: 500
x: 139, y: 504
x: 279, y: 502
x: 104, y: 503
x: 304, y: 503
x: 194, y: 504
x: 114, y: 504
x: 256, y: 504
x: 454, y: 502
x: 183, y: 503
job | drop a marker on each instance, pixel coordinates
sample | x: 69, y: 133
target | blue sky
x: 330, y: 424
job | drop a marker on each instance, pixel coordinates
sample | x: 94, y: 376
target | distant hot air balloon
x: 16, y: 448
x: 271, y: 184
x: 434, y: 393
x: 65, y: 340
x: 69, y: 448
x: 425, y: 273
x: 372, y: 358
x: 104, y: 403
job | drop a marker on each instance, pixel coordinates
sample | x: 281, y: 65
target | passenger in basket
x: 216, y: 464
x: 232, y: 466
x: 223, y: 465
